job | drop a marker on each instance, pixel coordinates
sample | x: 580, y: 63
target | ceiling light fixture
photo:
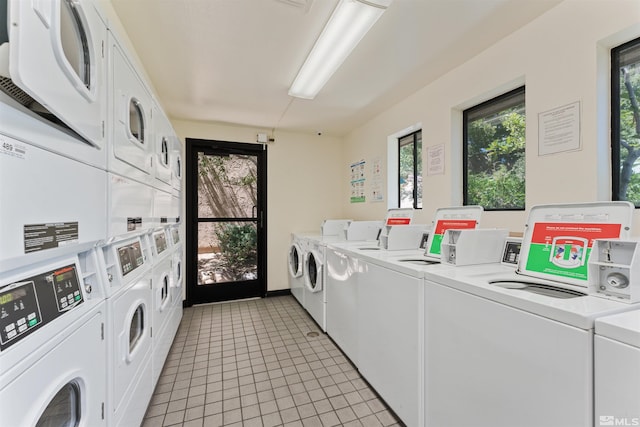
x: 348, y: 24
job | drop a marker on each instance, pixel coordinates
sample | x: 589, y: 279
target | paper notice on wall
x: 357, y: 182
x: 559, y: 129
x: 377, y: 192
x: 435, y: 160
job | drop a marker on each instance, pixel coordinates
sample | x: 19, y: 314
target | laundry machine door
x: 131, y: 348
x: 65, y: 387
x: 296, y: 260
x: 162, y: 149
x: 55, y: 56
x: 313, y: 272
x: 176, y: 164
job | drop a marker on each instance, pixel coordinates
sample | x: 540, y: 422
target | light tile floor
x: 253, y: 363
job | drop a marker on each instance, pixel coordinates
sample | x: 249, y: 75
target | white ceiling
x: 232, y: 61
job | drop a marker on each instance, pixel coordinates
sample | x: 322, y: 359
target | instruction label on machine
x: 448, y: 224
x: 38, y: 237
x: 562, y: 249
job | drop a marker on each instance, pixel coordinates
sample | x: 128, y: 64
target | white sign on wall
x: 559, y: 129
x: 435, y: 160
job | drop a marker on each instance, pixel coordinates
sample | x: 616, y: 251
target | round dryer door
x: 295, y: 261
x: 313, y: 274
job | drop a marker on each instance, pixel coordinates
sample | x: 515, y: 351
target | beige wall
x: 304, y: 184
x: 562, y: 57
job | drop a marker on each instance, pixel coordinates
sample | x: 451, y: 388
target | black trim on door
x: 199, y: 294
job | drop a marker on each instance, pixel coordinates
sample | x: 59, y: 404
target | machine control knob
x: 110, y: 277
x: 88, y: 287
x: 617, y: 280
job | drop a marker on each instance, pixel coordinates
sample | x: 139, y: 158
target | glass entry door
x: 226, y: 233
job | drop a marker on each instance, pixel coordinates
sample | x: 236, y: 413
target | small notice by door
x: 357, y: 182
x: 38, y: 237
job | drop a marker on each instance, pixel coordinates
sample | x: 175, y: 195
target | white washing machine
x: 314, y: 289
x: 617, y: 369
x: 161, y: 310
x: 177, y: 283
x: 55, y: 57
x: 314, y: 274
x: 42, y: 216
x: 131, y: 146
x: 390, y: 333
x: 342, y: 269
x: 53, y: 351
x: 126, y: 267
x: 499, y: 346
x: 295, y: 266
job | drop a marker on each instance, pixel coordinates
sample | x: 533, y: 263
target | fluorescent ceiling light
x: 348, y: 24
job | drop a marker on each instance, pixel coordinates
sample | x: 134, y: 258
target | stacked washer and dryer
x: 90, y: 262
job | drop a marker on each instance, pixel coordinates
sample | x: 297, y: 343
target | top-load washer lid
x: 538, y: 288
x: 558, y: 238
x: 334, y: 227
x: 456, y: 218
x: 399, y: 216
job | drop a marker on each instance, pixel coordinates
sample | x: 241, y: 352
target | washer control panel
x: 160, y: 238
x: 130, y: 257
x: 28, y: 304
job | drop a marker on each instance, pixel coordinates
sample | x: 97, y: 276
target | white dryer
x: 131, y: 137
x: 295, y: 266
x: 617, y: 369
x: 52, y: 347
x: 58, y: 203
x: 126, y: 267
x: 55, y: 58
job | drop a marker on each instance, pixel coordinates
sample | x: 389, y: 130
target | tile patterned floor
x: 251, y: 363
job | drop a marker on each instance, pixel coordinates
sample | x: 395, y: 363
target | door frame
x: 196, y: 294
